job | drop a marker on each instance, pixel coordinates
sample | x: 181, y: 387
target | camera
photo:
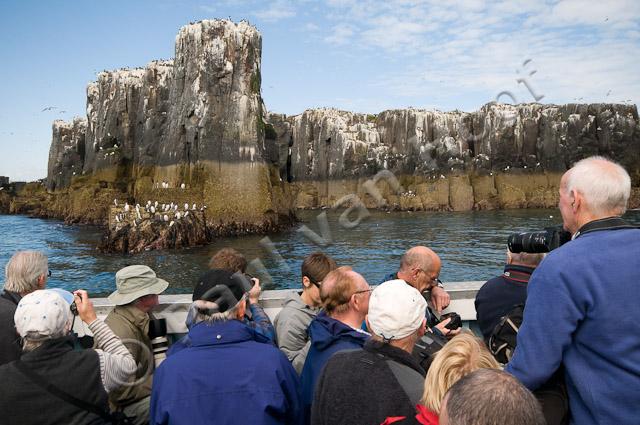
x: 159, y: 342
x: 455, y: 323
x: 538, y: 242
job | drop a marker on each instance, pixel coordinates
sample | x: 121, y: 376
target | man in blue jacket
x: 582, y: 302
x: 225, y: 376
x: 345, y: 299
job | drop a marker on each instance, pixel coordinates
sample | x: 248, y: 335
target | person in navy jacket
x: 226, y: 375
x: 582, y: 302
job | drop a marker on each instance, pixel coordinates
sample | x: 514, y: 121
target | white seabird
x: 193, y: 207
x: 115, y: 202
x: 126, y: 207
x: 182, y: 186
x: 178, y: 216
x: 152, y: 209
x: 171, y: 224
x: 186, y: 207
x: 117, y: 219
x: 166, y: 217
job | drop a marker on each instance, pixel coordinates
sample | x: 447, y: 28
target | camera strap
x: 57, y: 392
x: 609, y: 223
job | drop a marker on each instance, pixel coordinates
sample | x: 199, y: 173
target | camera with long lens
x: 159, y: 341
x: 538, y: 242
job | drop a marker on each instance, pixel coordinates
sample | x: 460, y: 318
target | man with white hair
x: 383, y: 379
x: 582, y: 302
x: 25, y: 272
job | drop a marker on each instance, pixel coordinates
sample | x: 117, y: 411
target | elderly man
x: 582, y: 302
x: 135, y: 297
x: 501, y: 294
x: 225, y: 376
x: 53, y: 383
x: 420, y: 268
x: 491, y: 397
x: 384, y: 379
x: 345, y: 298
x: 25, y: 272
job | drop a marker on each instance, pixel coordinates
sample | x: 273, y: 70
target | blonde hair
x: 459, y: 357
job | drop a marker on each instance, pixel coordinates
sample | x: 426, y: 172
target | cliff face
x: 186, y: 130
x: 194, y: 130
x: 501, y: 156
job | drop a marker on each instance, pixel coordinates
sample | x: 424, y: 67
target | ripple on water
x: 472, y: 246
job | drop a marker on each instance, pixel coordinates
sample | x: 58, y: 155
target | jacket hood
x: 324, y: 331
x: 294, y: 300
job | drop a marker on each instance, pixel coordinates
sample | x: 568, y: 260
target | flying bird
x: 49, y: 108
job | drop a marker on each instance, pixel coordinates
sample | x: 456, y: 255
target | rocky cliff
x: 501, y: 156
x: 187, y: 130
x: 195, y: 130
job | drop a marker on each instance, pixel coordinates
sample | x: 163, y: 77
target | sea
x: 472, y: 246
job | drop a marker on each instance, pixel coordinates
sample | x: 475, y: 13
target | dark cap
x: 221, y: 287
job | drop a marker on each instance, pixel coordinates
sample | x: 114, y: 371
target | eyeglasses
x: 318, y: 284
x: 362, y: 291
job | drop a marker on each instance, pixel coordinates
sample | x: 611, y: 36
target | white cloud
x: 276, y: 11
x: 340, y: 34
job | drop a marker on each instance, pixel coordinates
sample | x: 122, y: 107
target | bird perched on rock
x: 182, y: 186
x: 166, y: 217
x: 115, y: 202
x: 178, y: 216
x: 186, y: 207
x: 171, y: 224
x: 186, y: 214
x: 155, y: 204
x: 152, y: 209
x: 126, y: 207
x: 117, y: 219
x: 193, y: 207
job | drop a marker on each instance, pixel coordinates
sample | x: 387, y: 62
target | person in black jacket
x: 367, y: 385
x: 499, y: 295
x: 25, y: 272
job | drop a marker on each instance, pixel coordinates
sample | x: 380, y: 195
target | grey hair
x: 206, y: 311
x: 605, y: 185
x: 23, y: 270
x: 33, y: 340
x: 413, y: 258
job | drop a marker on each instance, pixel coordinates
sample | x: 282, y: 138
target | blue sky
x: 358, y: 55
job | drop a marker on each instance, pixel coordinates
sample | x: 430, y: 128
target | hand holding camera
x: 84, y: 306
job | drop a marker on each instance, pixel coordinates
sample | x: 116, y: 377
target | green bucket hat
x: 133, y: 282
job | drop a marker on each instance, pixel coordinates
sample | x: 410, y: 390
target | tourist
x: 498, y: 296
x: 225, y: 376
x: 489, y: 397
x: 420, y: 268
x: 582, y: 302
x: 135, y: 297
x: 460, y: 356
x: 300, y: 308
x: 231, y: 260
x: 383, y: 379
x: 25, y: 272
x: 32, y: 387
x: 345, y: 299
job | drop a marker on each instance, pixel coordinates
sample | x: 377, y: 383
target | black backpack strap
x: 55, y: 391
x: 410, y: 380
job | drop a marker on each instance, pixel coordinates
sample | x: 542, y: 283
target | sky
x: 357, y: 55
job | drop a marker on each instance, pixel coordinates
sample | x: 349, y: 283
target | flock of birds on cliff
x: 161, y: 212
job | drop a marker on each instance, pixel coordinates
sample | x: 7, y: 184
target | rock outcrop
x: 192, y: 127
x: 501, y: 156
x: 195, y: 130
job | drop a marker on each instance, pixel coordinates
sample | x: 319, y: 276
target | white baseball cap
x: 396, y: 309
x: 45, y: 312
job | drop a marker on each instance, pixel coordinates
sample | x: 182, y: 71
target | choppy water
x: 471, y: 244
